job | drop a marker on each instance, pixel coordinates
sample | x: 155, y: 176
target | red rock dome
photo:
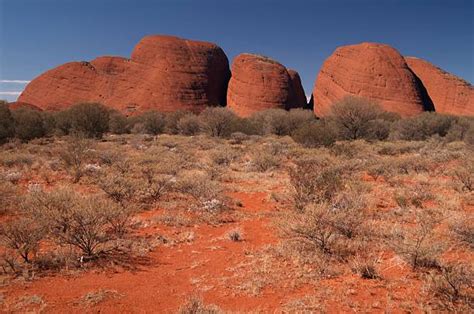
x: 369, y: 70
x: 450, y: 94
x: 260, y: 83
x: 165, y: 73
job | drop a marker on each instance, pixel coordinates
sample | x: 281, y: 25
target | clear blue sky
x: 36, y: 35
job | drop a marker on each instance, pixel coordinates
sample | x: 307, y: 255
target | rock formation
x: 450, y: 94
x: 20, y: 105
x: 164, y: 73
x: 299, y: 97
x: 260, y: 83
x: 374, y: 71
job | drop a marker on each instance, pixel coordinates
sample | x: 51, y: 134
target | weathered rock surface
x: 374, y: 71
x: 20, y: 105
x: 260, y: 83
x: 299, y: 97
x: 164, y: 73
x: 450, y: 94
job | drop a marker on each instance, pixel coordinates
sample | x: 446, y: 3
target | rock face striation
x: 164, y: 73
x: 260, y: 83
x: 374, y: 71
x: 450, y: 94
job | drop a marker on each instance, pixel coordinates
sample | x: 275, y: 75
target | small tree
x: 316, y: 134
x: 28, y: 124
x: 189, y: 124
x: 83, y: 222
x: 353, y: 116
x: 118, y: 123
x: 154, y: 122
x: 89, y: 119
x: 217, y: 121
x: 74, y: 155
x: 22, y: 235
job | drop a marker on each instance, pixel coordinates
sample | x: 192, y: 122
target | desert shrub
x: 419, y: 244
x: 316, y: 134
x: 8, y: 196
x: 326, y: 227
x: 28, y: 124
x: 172, y: 119
x: 118, y: 123
x: 217, y: 121
x: 272, y: 121
x: 88, y: 119
x: 377, y: 129
x: 238, y: 138
x: 7, y: 123
x: 414, y: 196
x: 245, y: 126
x: 463, y: 229
x: 263, y: 160
x: 463, y: 176
x: 153, y: 122
x: 119, y: 188
x: 453, y: 284
x: 190, y: 124
x: 422, y: 126
x: 235, y: 235
x: 62, y: 122
x: 156, y: 184
x: 206, y: 193
x: 82, y: 222
x: 462, y: 129
x: 23, y: 236
x: 314, y: 181
x: 354, y: 118
x: 223, y: 156
x: 74, y: 155
x: 195, y: 305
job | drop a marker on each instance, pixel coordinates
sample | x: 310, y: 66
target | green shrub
x: 88, y: 119
x: 7, y: 124
x: 172, y: 119
x: 154, y: 122
x: 118, y: 123
x: 422, y: 127
x: 28, y: 124
x: 189, y: 124
x: 317, y: 133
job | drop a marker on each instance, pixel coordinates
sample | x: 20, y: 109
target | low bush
x: 81, y: 222
x: 29, y: 124
x: 118, y: 123
x: 419, y: 244
x: 218, y: 122
x: 316, y: 134
x: 357, y: 118
x: 87, y: 119
x: 23, y: 236
x: 74, y: 155
x: 314, y: 181
x: 422, y: 126
x: 172, y: 119
x: 189, y: 124
x: 453, y: 285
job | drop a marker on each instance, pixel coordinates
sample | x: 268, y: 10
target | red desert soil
x: 205, y: 267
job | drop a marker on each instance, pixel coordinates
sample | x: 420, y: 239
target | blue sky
x: 36, y: 35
